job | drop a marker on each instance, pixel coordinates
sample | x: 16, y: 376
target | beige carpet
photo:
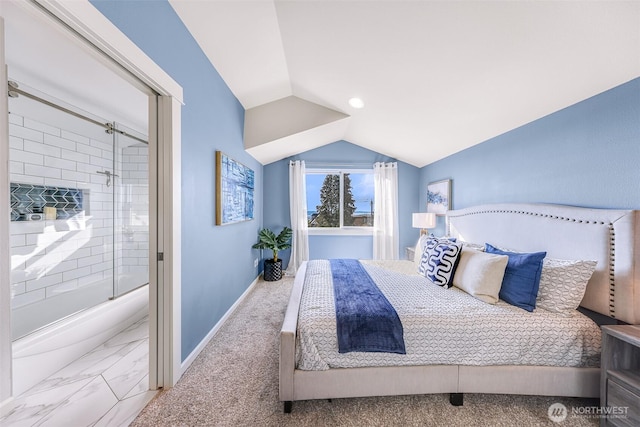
x: 234, y: 382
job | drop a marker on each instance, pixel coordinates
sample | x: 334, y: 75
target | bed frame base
x: 296, y: 384
x: 456, y: 399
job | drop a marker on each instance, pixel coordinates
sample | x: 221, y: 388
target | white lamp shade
x: 424, y: 220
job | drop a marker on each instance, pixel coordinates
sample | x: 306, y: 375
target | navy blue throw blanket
x: 366, y: 320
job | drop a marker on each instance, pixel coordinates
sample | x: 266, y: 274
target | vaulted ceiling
x: 436, y: 77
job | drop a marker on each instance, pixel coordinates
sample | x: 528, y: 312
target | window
x: 340, y: 199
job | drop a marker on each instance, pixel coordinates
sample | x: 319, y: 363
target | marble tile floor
x: 108, y: 386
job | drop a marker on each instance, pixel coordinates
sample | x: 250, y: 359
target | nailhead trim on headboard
x: 612, y: 243
x: 612, y: 282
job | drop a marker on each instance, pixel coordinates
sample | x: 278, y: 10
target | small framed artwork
x: 234, y: 190
x: 439, y: 197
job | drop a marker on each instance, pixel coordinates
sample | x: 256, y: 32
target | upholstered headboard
x: 611, y: 237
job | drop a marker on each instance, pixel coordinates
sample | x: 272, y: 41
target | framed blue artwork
x: 439, y: 197
x: 234, y: 190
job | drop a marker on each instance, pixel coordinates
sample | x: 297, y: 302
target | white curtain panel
x: 298, y: 211
x: 385, y: 221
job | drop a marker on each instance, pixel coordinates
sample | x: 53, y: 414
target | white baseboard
x: 196, y: 351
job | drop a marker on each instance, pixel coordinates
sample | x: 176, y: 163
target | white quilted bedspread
x: 441, y: 326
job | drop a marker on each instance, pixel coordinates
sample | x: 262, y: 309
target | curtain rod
x: 339, y: 165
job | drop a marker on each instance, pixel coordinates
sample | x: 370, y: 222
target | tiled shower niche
x: 28, y: 198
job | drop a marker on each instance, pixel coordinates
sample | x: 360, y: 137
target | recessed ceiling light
x: 356, y: 102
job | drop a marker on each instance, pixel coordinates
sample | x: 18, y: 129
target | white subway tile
x: 144, y: 269
x: 63, y: 143
x: 27, y: 298
x: 18, y: 288
x: 42, y: 266
x: 55, y: 162
x: 42, y: 239
x: 76, y: 176
x: 40, y: 148
x: 102, y: 162
x: 18, y: 240
x: 26, y: 227
x: 99, y: 179
x: 43, y: 171
x: 95, y: 242
x: 44, y: 281
x: 66, y: 286
x: 90, y: 279
x: 103, y: 266
x: 42, y: 127
x: 16, y: 119
x: 67, y: 183
x: 102, y: 145
x: 88, y: 150
x: 75, y: 273
x: 26, y: 157
x: 16, y: 167
x: 25, y: 133
x: 139, y: 175
x: 27, y: 179
x: 75, y: 137
x: 75, y: 156
x: 81, y: 253
x: 139, y: 159
x: 97, y: 250
x: 64, y: 267
x: 88, y: 168
x: 16, y: 143
x: 90, y: 260
x: 18, y: 275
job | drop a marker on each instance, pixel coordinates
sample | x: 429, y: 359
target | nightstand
x: 620, y: 375
x: 410, y: 252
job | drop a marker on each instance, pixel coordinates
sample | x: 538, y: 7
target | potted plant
x: 267, y: 239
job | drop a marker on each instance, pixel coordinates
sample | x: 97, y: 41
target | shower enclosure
x: 79, y: 210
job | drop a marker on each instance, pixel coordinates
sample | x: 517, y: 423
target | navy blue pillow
x: 521, y: 277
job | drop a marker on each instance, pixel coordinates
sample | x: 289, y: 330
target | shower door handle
x: 108, y: 174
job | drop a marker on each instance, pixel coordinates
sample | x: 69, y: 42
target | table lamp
x: 423, y: 221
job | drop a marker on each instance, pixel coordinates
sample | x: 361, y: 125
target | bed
x: 610, y: 237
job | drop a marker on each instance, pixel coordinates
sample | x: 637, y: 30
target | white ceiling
x: 45, y: 57
x: 436, y: 76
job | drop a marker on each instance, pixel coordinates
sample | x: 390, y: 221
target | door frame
x: 86, y: 23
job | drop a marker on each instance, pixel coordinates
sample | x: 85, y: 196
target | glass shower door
x: 131, y: 210
x: 61, y: 211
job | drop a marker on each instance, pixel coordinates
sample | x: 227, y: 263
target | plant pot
x: 272, y: 270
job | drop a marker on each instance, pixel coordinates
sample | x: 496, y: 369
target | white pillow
x: 476, y: 246
x: 480, y: 274
x: 563, y: 283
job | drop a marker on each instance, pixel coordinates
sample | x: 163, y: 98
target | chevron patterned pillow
x: 563, y: 283
x: 439, y: 261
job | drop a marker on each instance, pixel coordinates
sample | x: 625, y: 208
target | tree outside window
x: 340, y: 195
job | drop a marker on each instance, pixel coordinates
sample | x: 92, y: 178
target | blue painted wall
x: 276, y: 200
x: 217, y: 261
x: 585, y: 155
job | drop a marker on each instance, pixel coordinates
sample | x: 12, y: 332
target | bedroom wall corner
x: 276, y: 201
x: 217, y: 261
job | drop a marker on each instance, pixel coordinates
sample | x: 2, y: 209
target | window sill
x: 349, y: 231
